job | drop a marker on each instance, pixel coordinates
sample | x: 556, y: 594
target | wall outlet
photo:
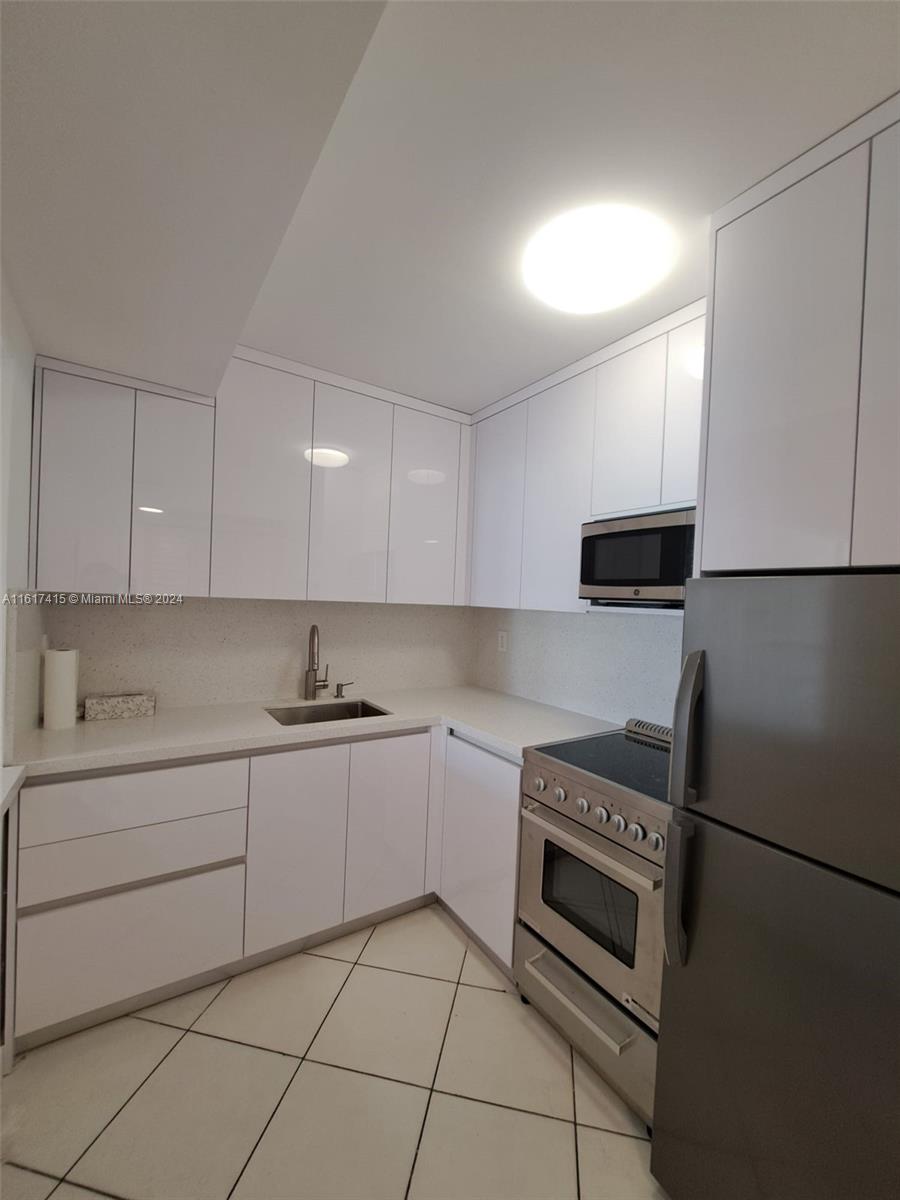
x: 501, y: 641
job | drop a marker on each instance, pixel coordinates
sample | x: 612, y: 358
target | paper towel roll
x: 60, y: 688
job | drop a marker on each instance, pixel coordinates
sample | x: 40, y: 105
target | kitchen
x: 450, y: 717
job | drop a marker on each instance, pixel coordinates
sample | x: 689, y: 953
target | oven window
x: 602, y: 909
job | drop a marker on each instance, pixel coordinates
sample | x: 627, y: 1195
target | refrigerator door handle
x: 682, y: 765
x: 674, y: 933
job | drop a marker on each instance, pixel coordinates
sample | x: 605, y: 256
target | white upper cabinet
x: 172, y: 495
x: 424, y: 489
x: 628, y: 437
x: 499, y: 509
x: 260, y: 529
x: 84, y: 531
x: 684, y: 398
x: 351, y: 486
x: 557, y: 493
x: 784, y: 381
x: 876, y: 512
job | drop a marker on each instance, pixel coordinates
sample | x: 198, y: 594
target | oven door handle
x: 582, y: 850
x: 616, y: 1043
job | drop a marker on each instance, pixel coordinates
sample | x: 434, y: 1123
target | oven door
x: 637, y: 560
x: 597, y: 904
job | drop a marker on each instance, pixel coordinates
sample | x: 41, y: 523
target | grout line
x: 88, y: 1191
x: 413, y: 974
x: 176, y: 1043
x: 320, y: 1062
x: 862, y: 349
x: 575, y: 1122
x: 294, y: 1074
x: 437, y: 1065
x: 8, y: 1162
x: 217, y: 1037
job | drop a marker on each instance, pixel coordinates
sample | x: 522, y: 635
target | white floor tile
x: 473, y: 1151
x: 387, y: 1024
x: 424, y: 942
x: 337, y: 1135
x: 192, y: 1126
x: 182, y: 1011
x: 58, y: 1097
x: 16, y: 1184
x: 71, y: 1191
x: 613, y: 1167
x: 479, y: 971
x: 346, y: 948
x: 598, y: 1105
x: 500, y: 1050
x: 279, y: 1006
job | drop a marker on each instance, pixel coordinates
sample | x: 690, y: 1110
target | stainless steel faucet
x: 312, y: 684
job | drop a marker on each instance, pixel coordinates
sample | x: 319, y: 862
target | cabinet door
x: 296, y: 840
x: 348, y: 534
x: 260, y: 527
x: 387, y: 823
x: 876, y: 510
x: 84, y: 525
x: 628, y: 436
x: 424, y: 487
x: 499, y: 509
x: 781, y: 435
x: 172, y: 495
x: 480, y: 843
x: 557, y: 493
x: 684, y: 396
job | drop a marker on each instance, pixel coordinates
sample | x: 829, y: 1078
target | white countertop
x: 500, y: 723
x: 12, y: 777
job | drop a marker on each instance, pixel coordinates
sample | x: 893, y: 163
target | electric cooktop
x: 636, y: 757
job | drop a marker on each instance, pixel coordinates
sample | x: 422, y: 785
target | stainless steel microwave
x: 638, y: 561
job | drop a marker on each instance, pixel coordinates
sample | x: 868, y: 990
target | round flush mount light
x: 324, y: 456
x: 592, y: 259
x: 426, y: 475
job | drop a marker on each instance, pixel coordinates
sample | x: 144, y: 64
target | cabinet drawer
x: 51, y: 812
x: 88, y: 864
x: 84, y: 956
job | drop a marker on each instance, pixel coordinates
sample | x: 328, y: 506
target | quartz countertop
x: 497, y: 722
x: 12, y: 777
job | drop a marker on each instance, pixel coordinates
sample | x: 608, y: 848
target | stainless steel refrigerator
x: 778, y: 1074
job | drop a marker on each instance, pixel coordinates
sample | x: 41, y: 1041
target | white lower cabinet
x: 81, y: 957
x: 480, y: 842
x: 296, y: 839
x: 387, y: 823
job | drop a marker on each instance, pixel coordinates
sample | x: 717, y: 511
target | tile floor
x: 392, y: 1063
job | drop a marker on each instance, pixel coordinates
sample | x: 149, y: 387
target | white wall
x: 16, y: 382
x: 610, y: 664
x: 218, y: 651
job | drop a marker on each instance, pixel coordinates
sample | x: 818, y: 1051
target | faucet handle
x: 339, y: 688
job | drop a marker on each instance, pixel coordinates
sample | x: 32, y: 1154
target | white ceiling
x: 468, y: 125
x: 153, y: 156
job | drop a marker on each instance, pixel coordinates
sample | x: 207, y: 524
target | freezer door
x: 778, y: 1074
x: 788, y: 719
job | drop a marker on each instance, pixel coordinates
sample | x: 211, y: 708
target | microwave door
x: 638, y: 560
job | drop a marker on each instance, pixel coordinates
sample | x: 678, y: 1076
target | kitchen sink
x: 315, y: 714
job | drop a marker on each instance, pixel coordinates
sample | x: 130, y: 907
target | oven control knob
x: 582, y: 806
x: 636, y: 832
x: 540, y: 784
x: 619, y: 823
x: 656, y: 841
x: 559, y: 795
x: 602, y: 814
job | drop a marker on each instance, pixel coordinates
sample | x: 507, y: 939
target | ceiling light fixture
x: 147, y: 508
x: 592, y: 259
x: 324, y: 456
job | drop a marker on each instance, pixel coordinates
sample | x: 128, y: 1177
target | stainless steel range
x: 589, y: 938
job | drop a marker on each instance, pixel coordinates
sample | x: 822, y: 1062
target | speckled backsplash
x: 610, y: 664
x: 218, y: 651
x: 613, y: 665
